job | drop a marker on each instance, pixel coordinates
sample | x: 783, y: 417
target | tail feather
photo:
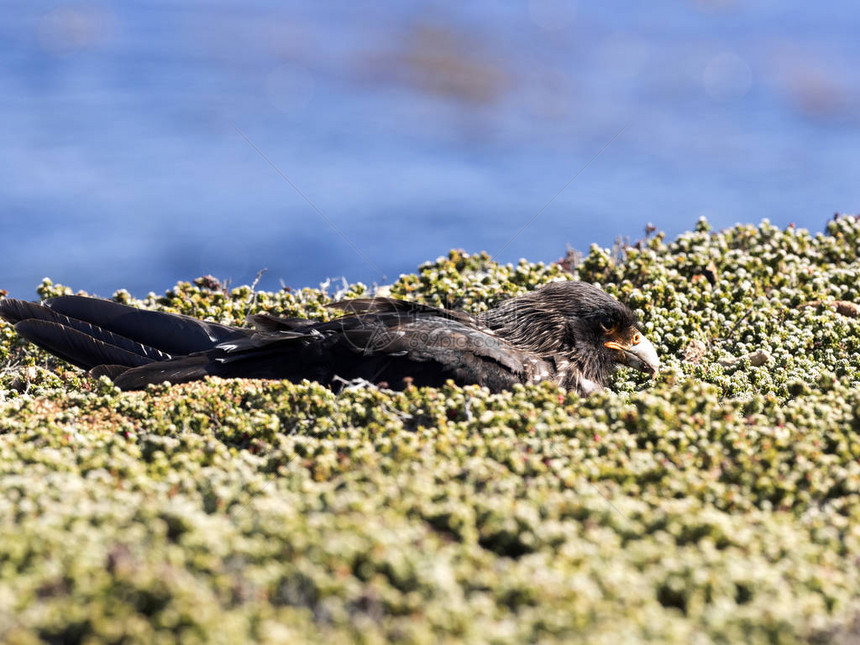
x: 89, y: 332
x: 178, y: 370
x: 111, y: 371
x: 172, y: 334
x: 78, y: 348
x: 18, y: 312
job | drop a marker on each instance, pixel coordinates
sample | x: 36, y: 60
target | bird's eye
x: 608, y: 324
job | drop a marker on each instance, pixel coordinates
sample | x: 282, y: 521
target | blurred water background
x: 138, y: 139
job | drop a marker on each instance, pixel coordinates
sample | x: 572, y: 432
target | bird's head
x: 578, y: 324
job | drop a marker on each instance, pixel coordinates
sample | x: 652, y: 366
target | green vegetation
x: 719, y: 503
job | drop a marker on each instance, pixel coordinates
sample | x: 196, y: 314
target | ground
x: 718, y: 503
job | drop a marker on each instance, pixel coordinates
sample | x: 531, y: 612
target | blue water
x: 410, y: 128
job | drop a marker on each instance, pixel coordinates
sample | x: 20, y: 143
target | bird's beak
x: 638, y: 353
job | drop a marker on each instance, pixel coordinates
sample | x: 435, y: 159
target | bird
x: 570, y: 332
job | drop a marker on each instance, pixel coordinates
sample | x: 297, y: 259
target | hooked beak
x: 639, y: 353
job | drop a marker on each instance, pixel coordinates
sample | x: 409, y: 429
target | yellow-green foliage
x: 718, y: 503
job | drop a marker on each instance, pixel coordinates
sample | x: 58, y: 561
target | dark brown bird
x: 568, y: 332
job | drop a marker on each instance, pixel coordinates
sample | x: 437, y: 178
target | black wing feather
x: 268, y: 322
x: 403, y: 307
x: 378, y: 348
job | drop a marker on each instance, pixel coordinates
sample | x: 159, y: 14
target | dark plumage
x: 569, y: 332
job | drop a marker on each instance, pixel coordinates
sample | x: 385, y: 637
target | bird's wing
x: 417, y: 336
x: 435, y: 344
x: 268, y: 322
x: 378, y: 347
x: 382, y: 305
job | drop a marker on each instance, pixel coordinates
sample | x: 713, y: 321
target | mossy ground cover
x: 719, y: 503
